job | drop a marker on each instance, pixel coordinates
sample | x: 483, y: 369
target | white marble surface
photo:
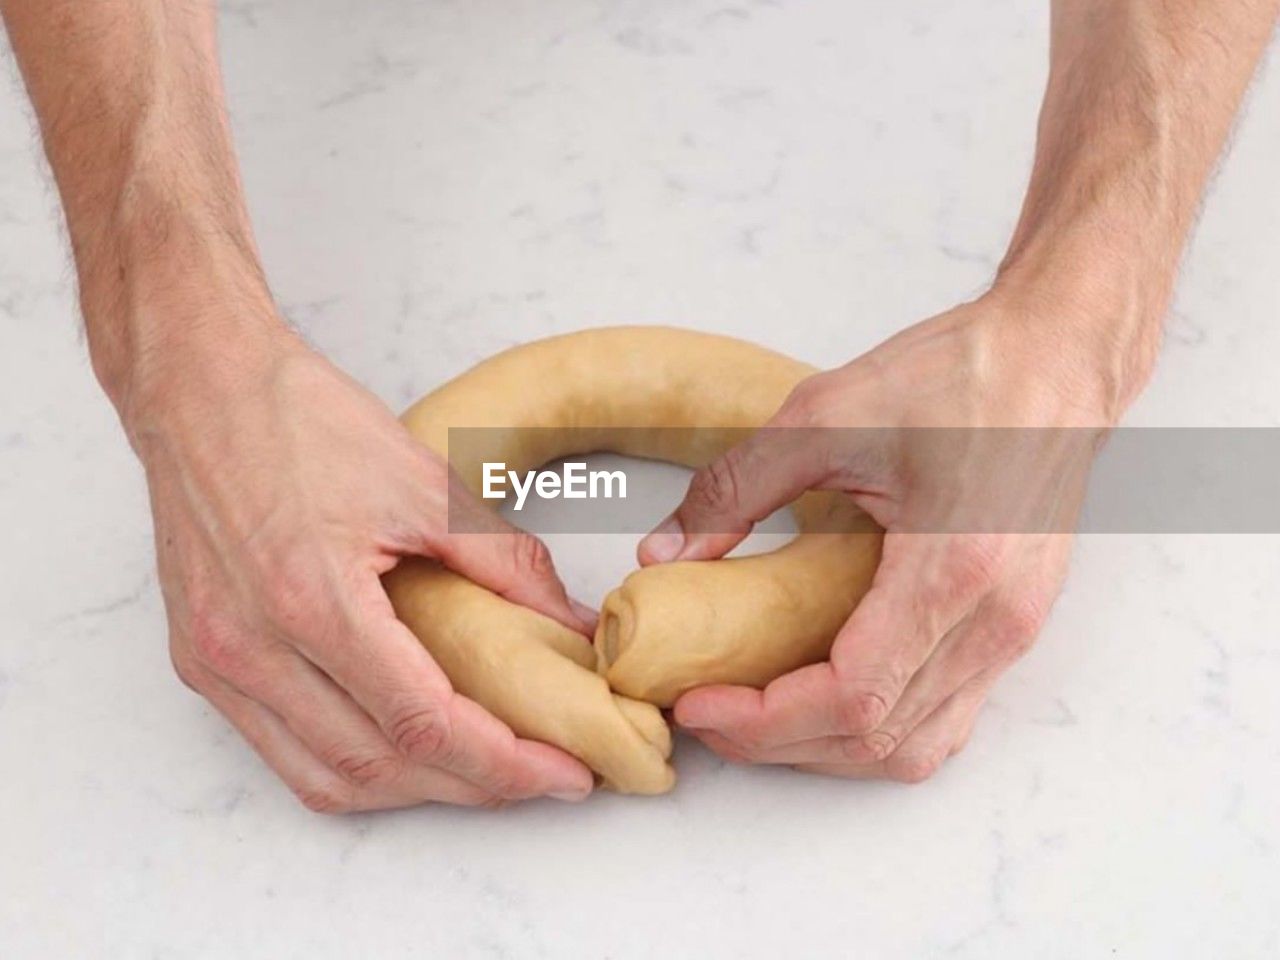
x: 433, y: 181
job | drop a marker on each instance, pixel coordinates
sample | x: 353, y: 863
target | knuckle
x: 746, y: 743
x: 532, y: 555
x: 876, y: 745
x: 365, y: 770
x: 185, y: 666
x: 715, y: 486
x: 1018, y: 622
x: 423, y: 734
x: 291, y: 598
x: 807, y: 405
x: 329, y: 798
x: 914, y: 767
x: 736, y: 750
x: 973, y: 565
x: 507, y: 785
x: 861, y: 711
x: 218, y: 644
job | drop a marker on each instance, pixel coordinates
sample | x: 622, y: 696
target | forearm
x: 129, y: 99
x: 1140, y: 98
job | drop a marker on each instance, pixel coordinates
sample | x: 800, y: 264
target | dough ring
x: 669, y: 627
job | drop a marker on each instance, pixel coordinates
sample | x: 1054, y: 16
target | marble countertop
x: 434, y: 181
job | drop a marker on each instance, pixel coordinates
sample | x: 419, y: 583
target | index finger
x: 734, y: 492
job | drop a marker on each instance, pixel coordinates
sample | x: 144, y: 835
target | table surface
x: 432, y: 182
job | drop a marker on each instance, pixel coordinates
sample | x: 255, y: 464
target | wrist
x: 1095, y: 307
x: 167, y: 296
x: 190, y: 388
x: 1092, y: 288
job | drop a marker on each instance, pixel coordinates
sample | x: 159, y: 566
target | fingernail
x: 570, y: 796
x: 665, y: 543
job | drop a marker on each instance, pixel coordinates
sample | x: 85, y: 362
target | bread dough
x: 669, y: 627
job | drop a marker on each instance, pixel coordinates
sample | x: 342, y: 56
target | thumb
x: 732, y: 493
x: 511, y: 562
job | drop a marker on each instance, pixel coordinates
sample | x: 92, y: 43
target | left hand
x: 961, y: 591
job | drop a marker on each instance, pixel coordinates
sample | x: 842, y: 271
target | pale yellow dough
x: 668, y: 628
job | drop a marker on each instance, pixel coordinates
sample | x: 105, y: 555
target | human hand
x: 977, y: 538
x: 281, y: 491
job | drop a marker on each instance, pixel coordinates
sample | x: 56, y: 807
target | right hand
x: 281, y: 492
